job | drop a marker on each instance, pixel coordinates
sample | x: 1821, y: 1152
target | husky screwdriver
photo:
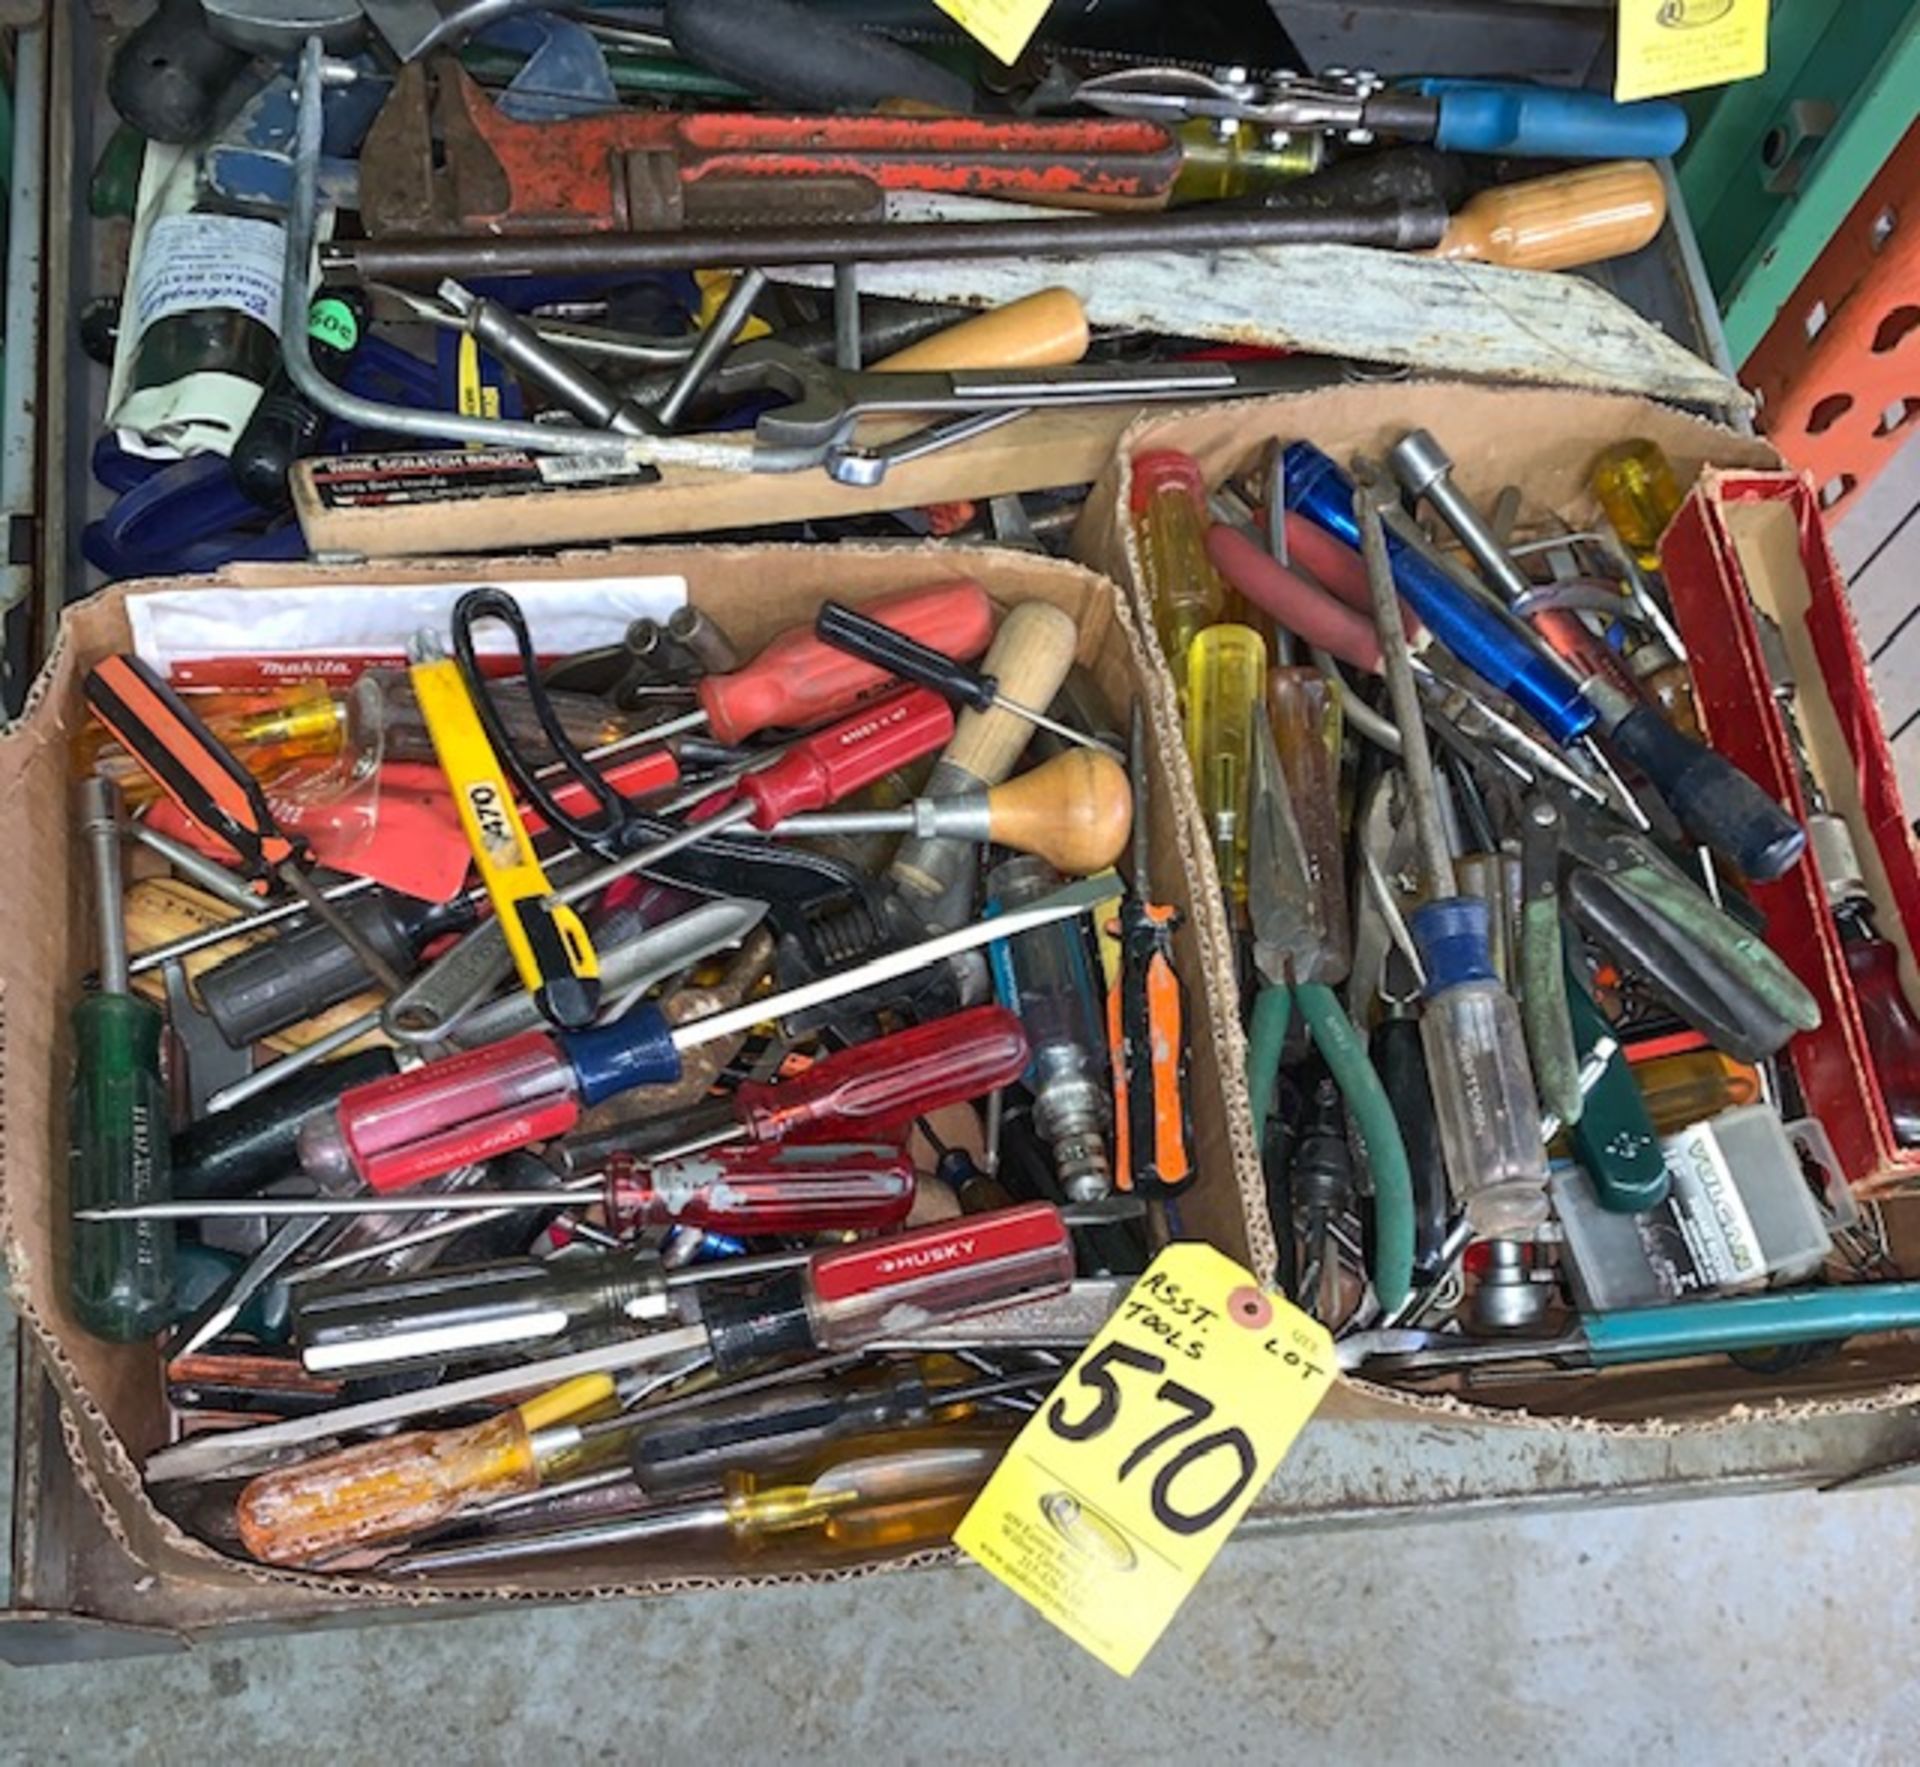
x: 188, y: 762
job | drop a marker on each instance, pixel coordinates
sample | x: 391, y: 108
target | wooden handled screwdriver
x: 1030, y: 657
x: 1046, y: 329
x: 1562, y: 222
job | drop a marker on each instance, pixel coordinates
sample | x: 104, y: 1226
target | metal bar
x: 20, y: 421
x: 560, y: 254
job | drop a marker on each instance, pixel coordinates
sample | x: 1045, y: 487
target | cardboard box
x: 112, y: 1393
x: 1749, y: 529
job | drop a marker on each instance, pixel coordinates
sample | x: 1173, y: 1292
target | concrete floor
x: 1734, y: 1630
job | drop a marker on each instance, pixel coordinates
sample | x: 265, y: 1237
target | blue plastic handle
x: 637, y: 1050
x: 1548, y: 122
x: 1478, y: 636
x: 1751, y: 1322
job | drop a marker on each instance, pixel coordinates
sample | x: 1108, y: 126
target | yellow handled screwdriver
x: 552, y: 953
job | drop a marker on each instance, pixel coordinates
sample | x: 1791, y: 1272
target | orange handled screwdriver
x: 1146, y: 1023
x: 187, y: 761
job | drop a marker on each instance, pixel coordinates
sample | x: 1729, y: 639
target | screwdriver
x: 264, y: 731
x: 798, y: 680
x: 1030, y: 656
x: 158, y: 728
x: 1073, y: 811
x: 900, y: 654
x: 894, y: 1491
x: 524, y: 1306
x: 532, y: 1087
x: 1483, y: 640
x: 841, y: 1299
x: 122, y: 1274
x: 1483, y: 1091
x: 803, y: 1417
x: 811, y: 1187
x: 1714, y: 801
x: 872, y: 741
x: 274, y: 985
x: 874, y: 1089
x: 1560, y: 222
x: 1181, y: 588
x: 1226, y: 680
x: 1146, y: 1019
x: 1047, y: 977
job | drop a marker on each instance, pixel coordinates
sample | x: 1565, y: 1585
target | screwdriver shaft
x: 1397, y: 665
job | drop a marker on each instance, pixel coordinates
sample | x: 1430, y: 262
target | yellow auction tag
x: 1680, y: 45
x: 1005, y: 26
x: 1116, y: 1495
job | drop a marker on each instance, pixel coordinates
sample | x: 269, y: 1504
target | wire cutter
x: 1298, y: 964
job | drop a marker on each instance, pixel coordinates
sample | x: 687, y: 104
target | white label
x: 192, y: 262
x: 1712, y: 1213
x: 580, y: 469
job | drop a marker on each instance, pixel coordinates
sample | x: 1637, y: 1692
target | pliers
x: 1297, y: 965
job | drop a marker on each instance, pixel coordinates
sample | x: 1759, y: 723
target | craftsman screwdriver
x: 876, y: 1088
x: 1483, y: 1091
x: 122, y: 1275
x: 747, y: 1192
x: 798, y: 680
x: 900, y: 654
x: 891, y: 1491
x: 841, y: 1299
x: 165, y: 735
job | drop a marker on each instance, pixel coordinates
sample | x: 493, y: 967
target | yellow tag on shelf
x: 1114, y: 1498
x: 1681, y: 45
x: 1005, y: 26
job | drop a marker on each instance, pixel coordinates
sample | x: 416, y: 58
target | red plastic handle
x: 798, y: 681
x: 809, y: 1188
x: 879, y: 1087
x: 832, y: 764
x: 957, y: 1267
x: 1301, y: 606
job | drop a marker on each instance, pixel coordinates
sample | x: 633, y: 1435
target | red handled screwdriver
x: 798, y: 680
x: 397, y: 1132
x: 811, y: 773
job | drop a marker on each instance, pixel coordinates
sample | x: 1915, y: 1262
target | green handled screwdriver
x: 121, y: 1272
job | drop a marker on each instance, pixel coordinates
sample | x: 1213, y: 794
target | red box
x: 1747, y: 542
